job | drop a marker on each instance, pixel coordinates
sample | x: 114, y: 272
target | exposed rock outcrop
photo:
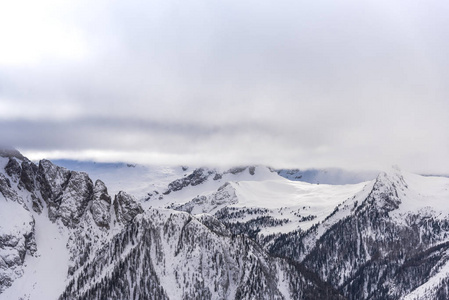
x: 101, y: 205
x: 126, y: 207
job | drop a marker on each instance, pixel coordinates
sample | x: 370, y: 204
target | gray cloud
x: 322, y: 84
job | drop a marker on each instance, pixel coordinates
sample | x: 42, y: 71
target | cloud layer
x: 322, y: 84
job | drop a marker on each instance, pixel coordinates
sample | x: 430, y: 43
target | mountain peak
x: 393, y: 175
x: 388, y: 190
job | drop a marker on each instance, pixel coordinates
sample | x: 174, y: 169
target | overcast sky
x: 352, y: 84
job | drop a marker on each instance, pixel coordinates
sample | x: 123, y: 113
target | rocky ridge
x: 69, y: 198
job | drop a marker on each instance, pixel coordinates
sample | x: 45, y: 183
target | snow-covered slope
x: 45, y: 270
x: 242, y: 233
x: 281, y: 204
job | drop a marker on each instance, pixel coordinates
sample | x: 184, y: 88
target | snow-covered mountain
x: 241, y: 233
x: 389, y: 243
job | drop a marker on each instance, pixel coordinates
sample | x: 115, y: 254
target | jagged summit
x: 412, y: 192
x: 36, y: 200
x: 388, y: 190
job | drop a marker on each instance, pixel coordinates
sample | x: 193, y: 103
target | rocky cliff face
x: 126, y: 208
x: 101, y: 205
x: 17, y: 230
x: 68, y: 198
x: 224, y: 196
x: 67, y: 193
x: 201, y: 175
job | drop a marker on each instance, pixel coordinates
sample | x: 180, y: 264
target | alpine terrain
x: 134, y: 232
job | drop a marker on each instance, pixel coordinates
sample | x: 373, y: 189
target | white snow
x: 285, y: 197
x: 284, y: 193
x: 425, y: 192
x: 14, y: 219
x: 46, y: 271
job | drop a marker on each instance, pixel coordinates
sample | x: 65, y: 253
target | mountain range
x: 202, y: 233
